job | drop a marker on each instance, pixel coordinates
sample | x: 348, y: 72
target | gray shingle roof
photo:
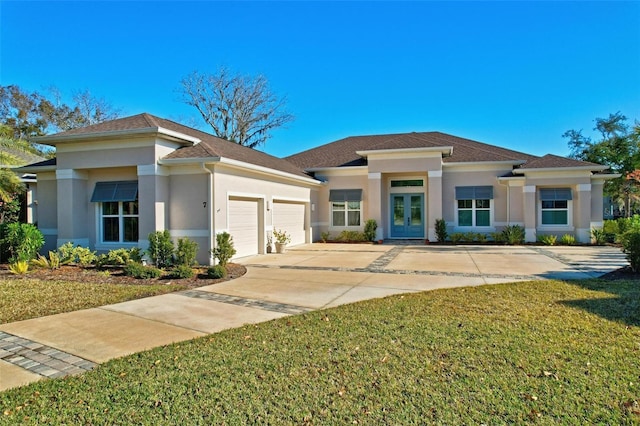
x: 553, y: 161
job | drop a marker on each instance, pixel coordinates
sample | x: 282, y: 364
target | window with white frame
x: 554, y: 206
x: 118, y: 211
x: 346, y: 207
x: 474, y: 205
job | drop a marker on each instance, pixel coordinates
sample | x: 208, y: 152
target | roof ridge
x: 484, y: 147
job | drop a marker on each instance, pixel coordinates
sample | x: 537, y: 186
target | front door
x: 407, y: 216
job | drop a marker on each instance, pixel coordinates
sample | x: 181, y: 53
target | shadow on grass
x: 624, y: 308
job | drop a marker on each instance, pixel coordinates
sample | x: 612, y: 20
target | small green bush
x: 217, y: 272
x: 224, y: 249
x: 161, y: 249
x: 22, y: 241
x: 370, y: 227
x: 456, y: 237
x: 351, y: 236
x: 468, y: 237
x: 182, y: 271
x: 119, y: 257
x: 186, y: 252
x: 441, y: 230
x: 19, y: 267
x: 324, y: 236
x: 568, y: 240
x: 599, y: 237
x: 52, y: 262
x: 513, y: 234
x: 481, y: 238
x: 497, y: 237
x: 548, y: 240
x: 76, y: 254
x: 138, y: 270
x: 631, y: 247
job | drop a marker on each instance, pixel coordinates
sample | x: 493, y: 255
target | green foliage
x: 10, y: 191
x: 224, y: 249
x: 598, y: 237
x: 161, y: 248
x: 76, y: 254
x: 481, y: 238
x: 441, y: 230
x: 351, y: 237
x: 568, y: 240
x: 324, y: 236
x: 182, y: 271
x: 548, y: 239
x: 186, y: 252
x: 140, y: 271
x: 19, y: 267
x: 513, y: 234
x: 217, y: 272
x: 497, y: 237
x: 370, y: 227
x: 456, y: 237
x: 53, y: 262
x: 119, y: 257
x: 281, y: 236
x: 631, y: 247
x: 22, y: 241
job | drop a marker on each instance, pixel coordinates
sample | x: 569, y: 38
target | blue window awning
x: 555, y: 194
x: 115, y: 191
x: 474, y: 192
x: 345, y: 195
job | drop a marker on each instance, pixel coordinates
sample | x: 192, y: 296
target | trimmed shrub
x: 161, y: 248
x: 568, y: 240
x: 138, y: 270
x: 351, y: 236
x: 631, y: 247
x: 22, y: 241
x: 497, y: 237
x: 186, y: 252
x: 217, y: 272
x: 119, y: 257
x: 547, y: 240
x: 370, y: 227
x: 182, y: 271
x: 481, y: 238
x: 224, y: 249
x: 441, y: 230
x: 324, y: 236
x: 513, y: 234
x: 78, y: 254
x: 599, y: 237
x: 456, y: 237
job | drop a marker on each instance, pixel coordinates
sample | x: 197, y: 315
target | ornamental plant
x: 281, y: 236
x: 224, y: 249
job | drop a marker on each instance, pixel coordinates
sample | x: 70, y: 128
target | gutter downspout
x: 210, y: 210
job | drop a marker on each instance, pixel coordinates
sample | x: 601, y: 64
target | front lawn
x: 545, y: 352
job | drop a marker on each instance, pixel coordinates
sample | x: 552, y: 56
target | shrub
x: 281, y: 237
x: 456, y: 237
x: 441, y: 230
x: 599, y: 237
x: 324, y: 236
x: 497, y: 237
x: 19, y: 267
x: 78, y: 254
x: 138, y: 270
x: 631, y: 247
x: 370, y: 227
x: 161, y: 248
x: 481, y: 238
x: 513, y: 234
x: 468, y: 237
x: 216, y: 272
x: 351, y: 236
x: 53, y: 262
x: 547, y: 240
x: 182, y: 271
x: 568, y: 240
x: 224, y: 249
x: 186, y: 252
x: 119, y: 257
x: 22, y: 241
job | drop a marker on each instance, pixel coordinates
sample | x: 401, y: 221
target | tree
x: 238, y: 108
x: 618, y: 148
x: 10, y: 190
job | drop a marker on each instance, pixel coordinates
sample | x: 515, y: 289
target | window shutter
x: 115, y: 191
x: 345, y: 195
x: 474, y: 192
x: 554, y: 194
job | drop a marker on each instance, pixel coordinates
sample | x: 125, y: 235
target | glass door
x: 407, y: 216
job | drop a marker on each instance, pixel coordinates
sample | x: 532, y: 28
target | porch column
x: 434, y: 202
x: 530, y: 212
x: 73, y: 207
x: 582, y: 213
x: 374, y: 202
x: 153, y: 201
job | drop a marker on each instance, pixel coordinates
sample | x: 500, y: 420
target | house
x: 113, y: 183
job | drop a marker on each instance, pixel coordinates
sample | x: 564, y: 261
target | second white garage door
x: 290, y: 217
x: 243, y: 226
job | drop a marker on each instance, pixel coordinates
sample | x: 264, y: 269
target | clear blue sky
x: 514, y: 74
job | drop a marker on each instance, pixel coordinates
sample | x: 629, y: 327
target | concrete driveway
x: 308, y: 277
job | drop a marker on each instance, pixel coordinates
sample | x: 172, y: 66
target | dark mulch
x: 624, y: 273
x: 115, y: 275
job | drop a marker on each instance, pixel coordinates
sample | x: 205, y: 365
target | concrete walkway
x: 307, y: 277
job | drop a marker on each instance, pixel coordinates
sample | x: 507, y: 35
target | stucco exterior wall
x: 47, y: 199
x: 357, y: 180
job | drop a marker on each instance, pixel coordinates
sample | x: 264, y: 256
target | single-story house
x: 113, y: 183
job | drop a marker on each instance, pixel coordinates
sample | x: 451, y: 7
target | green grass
x: 31, y: 298
x: 546, y: 352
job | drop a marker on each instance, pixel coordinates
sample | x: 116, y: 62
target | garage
x: 290, y: 217
x: 243, y: 225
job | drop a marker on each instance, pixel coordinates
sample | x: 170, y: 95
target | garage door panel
x: 290, y: 217
x: 243, y: 226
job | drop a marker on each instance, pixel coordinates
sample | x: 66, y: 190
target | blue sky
x: 514, y: 74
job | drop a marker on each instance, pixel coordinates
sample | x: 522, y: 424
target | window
x: 474, y: 205
x: 554, y: 206
x: 345, y: 207
x: 118, y: 211
x: 406, y: 183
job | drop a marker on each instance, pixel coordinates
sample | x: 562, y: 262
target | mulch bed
x: 621, y: 274
x: 116, y: 276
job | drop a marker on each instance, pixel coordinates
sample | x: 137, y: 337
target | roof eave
x: 322, y: 169
x: 118, y: 134
x: 445, y: 150
x: 556, y: 169
x: 500, y: 162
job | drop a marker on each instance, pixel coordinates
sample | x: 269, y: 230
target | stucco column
x: 597, y: 204
x: 73, y: 206
x: 434, y: 202
x: 153, y: 201
x: 530, y: 212
x: 582, y: 213
x: 374, y: 202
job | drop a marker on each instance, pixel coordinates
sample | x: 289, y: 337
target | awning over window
x: 553, y: 194
x: 345, y: 195
x: 474, y: 192
x: 115, y: 191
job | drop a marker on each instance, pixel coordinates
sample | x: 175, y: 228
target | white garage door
x: 290, y: 217
x: 243, y: 226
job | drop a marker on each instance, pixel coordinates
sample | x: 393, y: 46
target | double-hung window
x: 554, y: 206
x: 346, y: 207
x: 117, y: 210
x: 474, y: 205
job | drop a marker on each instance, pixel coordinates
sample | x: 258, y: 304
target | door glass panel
x: 398, y: 211
x: 416, y: 210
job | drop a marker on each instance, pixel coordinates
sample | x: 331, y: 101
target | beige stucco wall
x: 47, y: 199
x: 404, y: 164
